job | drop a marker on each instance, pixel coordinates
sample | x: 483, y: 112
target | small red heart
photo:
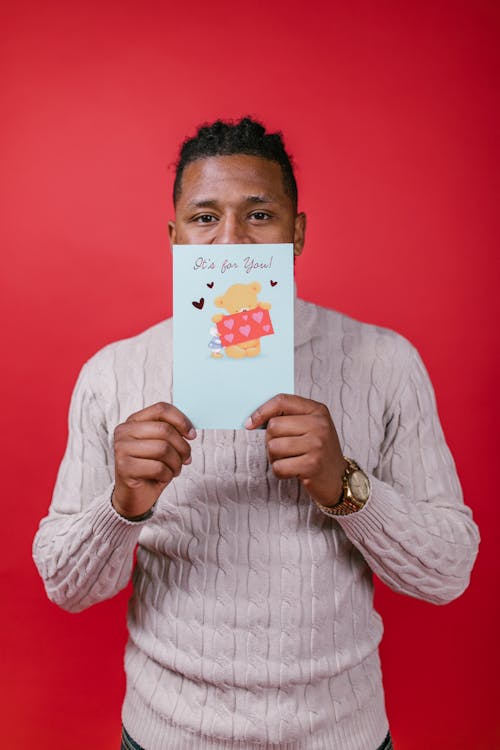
x: 273, y: 283
x: 199, y: 305
x: 210, y: 284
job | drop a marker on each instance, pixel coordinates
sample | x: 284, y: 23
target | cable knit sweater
x: 251, y: 623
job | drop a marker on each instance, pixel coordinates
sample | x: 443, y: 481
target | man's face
x: 235, y: 199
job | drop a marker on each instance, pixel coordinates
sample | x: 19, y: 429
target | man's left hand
x: 302, y: 442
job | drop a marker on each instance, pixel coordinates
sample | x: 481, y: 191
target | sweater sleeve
x: 83, y: 549
x: 415, y: 532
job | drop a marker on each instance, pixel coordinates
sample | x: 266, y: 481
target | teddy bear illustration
x: 242, y: 298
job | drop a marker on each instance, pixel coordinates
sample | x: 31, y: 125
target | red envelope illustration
x: 244, y: 326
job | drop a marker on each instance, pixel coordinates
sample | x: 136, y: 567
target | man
x: 251, y: 623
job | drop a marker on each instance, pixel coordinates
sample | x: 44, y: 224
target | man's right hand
x: 150, y: 449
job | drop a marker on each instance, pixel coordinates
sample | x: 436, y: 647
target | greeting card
x: 233, y: 330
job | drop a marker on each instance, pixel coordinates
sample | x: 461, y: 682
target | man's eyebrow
x: 259, y: 199
x: 213, y: 203
x: 203, y: 203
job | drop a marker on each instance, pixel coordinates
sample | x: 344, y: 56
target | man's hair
x: 229, y: 138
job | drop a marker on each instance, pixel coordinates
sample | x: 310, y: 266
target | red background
x: 391, y: 109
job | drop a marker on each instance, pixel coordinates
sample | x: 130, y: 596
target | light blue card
x: 233, y: 330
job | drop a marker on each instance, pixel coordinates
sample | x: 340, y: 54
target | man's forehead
x: 237, y: 165
x: 257, y: 180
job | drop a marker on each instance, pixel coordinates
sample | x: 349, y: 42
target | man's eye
x: 204, y: 219
x: 260, y: 215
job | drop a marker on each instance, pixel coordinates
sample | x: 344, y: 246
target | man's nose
x: 231, y: 231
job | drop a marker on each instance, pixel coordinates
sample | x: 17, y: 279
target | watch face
x: 359, y: 486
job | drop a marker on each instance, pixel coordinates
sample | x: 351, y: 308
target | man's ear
x: 299, y: 236
x: 172, y: 233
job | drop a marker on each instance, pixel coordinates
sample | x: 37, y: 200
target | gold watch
x: 356, y: 490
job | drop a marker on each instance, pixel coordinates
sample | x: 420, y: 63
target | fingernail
x: 188, y: 461
x: 191, y: 434
x: 248, y: 423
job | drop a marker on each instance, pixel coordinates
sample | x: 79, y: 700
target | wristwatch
x: 356, y: 490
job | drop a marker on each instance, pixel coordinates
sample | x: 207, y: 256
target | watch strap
x: 348, y: 503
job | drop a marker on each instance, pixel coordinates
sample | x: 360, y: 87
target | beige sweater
x: 251, y: 622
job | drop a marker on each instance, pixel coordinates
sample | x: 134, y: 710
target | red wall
x: 391, y: 110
